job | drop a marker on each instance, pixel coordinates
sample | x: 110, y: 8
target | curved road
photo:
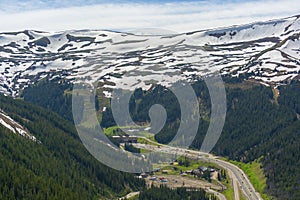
x: 239, y: 178
x: 219, y: 195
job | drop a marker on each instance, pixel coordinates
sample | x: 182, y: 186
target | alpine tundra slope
x: 265, y: 51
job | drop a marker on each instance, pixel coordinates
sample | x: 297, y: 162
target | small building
x: 203, y: 169
x: 211, y: 169
x: 125, y: 138
x: 144, y: 175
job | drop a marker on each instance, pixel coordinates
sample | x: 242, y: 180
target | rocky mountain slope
x: 268, y: 52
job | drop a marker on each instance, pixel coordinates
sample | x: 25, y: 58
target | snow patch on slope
x: 15, y: 127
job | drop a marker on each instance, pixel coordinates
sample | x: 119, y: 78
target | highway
x: 239, y: 178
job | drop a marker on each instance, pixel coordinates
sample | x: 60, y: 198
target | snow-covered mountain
x: 268, y: 52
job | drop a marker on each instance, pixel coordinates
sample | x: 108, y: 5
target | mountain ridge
x: 267, y: 52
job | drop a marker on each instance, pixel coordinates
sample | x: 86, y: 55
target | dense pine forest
x: 259, y: 123
x: 57, y: 168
